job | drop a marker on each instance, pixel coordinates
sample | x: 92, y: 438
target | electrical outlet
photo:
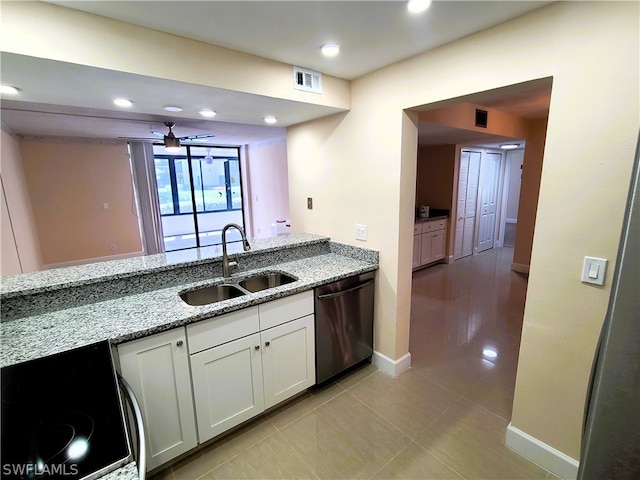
x: 105, y: 205
x: 309, y: 203
x: 113, y: 247
x: 361, y: 232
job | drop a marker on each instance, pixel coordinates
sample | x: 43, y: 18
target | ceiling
x: 69, y: 99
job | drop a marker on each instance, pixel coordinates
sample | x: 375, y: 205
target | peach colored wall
x: 19, y: 235
x: 361, y: 167
x: 463, y: 116
x: 68, y: 184
x: 9, y: 260
x: 514, y: 160
x: 529, y: 190
x: 268, y: 186
x: 434, y: 182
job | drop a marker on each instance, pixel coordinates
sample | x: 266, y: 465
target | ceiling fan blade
x: 195, y: 137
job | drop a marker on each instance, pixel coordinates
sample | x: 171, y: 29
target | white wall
x: 360, y: 168
x: 267, y: 187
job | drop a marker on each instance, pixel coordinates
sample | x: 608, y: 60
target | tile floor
x: 443, y: 419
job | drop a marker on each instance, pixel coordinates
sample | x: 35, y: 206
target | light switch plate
x: 593, y: 270
x: 361, y: 232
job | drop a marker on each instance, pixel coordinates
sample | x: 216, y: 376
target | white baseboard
x: 93, y: 260
x: 395, y: 368
x: 448, y: 259
x: 539, y: 452
x: 520, y: 267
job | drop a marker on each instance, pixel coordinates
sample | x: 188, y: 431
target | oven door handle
x: 142, y: 446
x: 344, y: 292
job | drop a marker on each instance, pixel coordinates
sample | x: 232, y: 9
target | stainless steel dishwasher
x: 344, y: 324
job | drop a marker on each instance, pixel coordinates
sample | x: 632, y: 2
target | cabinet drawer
x: 434, y: 225
x: 222, y: 329
x: 417, y: 228
x: 285, y: 309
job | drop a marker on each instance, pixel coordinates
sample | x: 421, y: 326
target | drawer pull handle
x: 266, y: 344
x: 179, y: 343
x: 257, y: 347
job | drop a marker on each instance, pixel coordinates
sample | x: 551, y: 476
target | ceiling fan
x: 172, y: 143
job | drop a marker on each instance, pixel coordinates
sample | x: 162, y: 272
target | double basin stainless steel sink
x: 226, y: 291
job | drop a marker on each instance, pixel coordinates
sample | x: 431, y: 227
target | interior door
x: 468, y: 183
x: 489, y: 188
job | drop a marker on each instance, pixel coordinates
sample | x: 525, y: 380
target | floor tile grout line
x: 308, y: 412
x: 381, y: 417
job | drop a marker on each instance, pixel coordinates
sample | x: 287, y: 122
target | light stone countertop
x: 58, y: 278
x: 138, y: 315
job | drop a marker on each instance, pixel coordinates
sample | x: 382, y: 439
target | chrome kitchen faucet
x: 226, y: 264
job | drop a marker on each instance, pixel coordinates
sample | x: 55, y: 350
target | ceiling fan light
x: 171, y: 144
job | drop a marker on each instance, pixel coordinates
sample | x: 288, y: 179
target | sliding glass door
x: 200, y: 191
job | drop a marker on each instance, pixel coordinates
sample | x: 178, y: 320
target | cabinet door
x: 288, y: 359
x: 425, y: 248
x: 227, y: 385
x: 417, y: 240
x: 157, y: 368
x: 437, y: 245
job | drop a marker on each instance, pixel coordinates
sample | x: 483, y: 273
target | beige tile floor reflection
x: 444, y: 419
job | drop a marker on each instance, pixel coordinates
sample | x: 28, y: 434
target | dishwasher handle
x: 344, y: 292
x: 135, y: 406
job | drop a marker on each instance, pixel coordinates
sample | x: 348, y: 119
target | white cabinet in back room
x: 429, y: 242
x: 157, y: 368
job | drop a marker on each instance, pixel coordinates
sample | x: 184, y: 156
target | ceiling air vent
x: 307, y: 80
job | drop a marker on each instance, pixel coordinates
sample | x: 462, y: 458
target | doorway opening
x: 468, y: 311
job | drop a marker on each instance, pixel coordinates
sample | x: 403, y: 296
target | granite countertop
x: 434, y: 214
x: 80, y: 275
x: 430, y: 218
x: 137, y: 315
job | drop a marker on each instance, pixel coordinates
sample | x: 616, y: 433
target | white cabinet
x: 288, y: 359
x: 237, y: 365
x: 234, y: 378
x: 429, y: 245
x: 157, y: 368
x: 227, y: 385
x: 417, y: 244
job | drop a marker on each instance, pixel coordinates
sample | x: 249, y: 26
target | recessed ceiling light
x: 173, y: 109
x: 509, y: 146
x: 122, y: 102
x: 418, y: 6
x: 330, y: 50
x: 9, y: 90
x: 270, y: 119
x: 207, y: 112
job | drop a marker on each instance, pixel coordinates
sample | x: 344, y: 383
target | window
x: 208, y: 179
